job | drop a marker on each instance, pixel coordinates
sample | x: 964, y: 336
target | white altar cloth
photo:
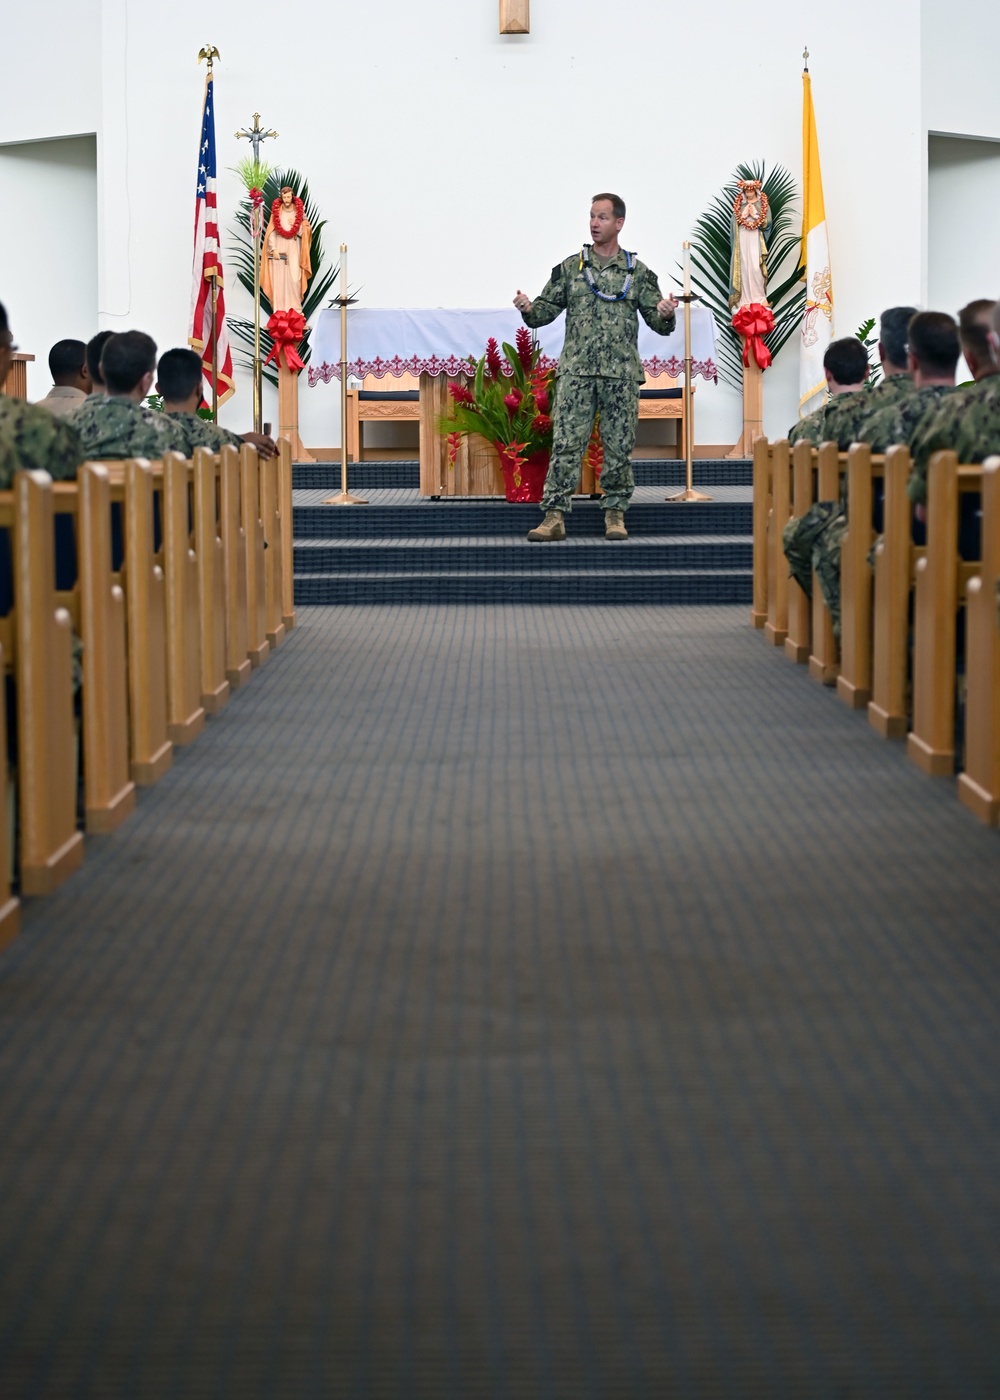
x: 439, y: 340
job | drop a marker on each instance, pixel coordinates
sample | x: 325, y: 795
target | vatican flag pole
x: 817, y: 320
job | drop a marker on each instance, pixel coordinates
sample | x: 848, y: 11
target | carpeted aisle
x: 512, y: 1002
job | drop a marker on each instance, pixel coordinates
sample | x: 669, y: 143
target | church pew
x: 234, y: 544
x: 823, y: 658
x: 854, y: 681
x: 940, y: 589
x: 270, y: 514
x: 185, y: 712
x: 896, y: 558
x: 210, y: 553
x: 97, y: 606
x: 10, y: 905
x: 979, y: 784
x: 51, y: 847
x: 258, y: 646
x: 287, y: 534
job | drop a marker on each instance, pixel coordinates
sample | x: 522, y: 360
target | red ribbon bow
x: 752, y: 322
x: 286, y: 329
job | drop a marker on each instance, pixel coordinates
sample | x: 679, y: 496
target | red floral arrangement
x: 277, y: 206
x: 513, y: 412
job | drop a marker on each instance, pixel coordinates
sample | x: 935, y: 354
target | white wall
x: 458, y: 163
x: 50, y: 293
x: 51, y: 69
x: 963, y: 215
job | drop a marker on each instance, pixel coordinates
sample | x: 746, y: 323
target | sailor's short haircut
x: 616, y: 201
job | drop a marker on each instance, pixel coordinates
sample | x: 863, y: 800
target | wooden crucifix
x: 514, y: 17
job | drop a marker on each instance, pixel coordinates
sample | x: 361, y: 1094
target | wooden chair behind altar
x: 376, y: 402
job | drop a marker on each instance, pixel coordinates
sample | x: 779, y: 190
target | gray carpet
x: 513, y: 1003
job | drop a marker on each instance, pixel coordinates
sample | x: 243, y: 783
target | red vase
x: 526, y: 482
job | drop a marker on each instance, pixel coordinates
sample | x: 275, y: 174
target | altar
x: 435, y: 344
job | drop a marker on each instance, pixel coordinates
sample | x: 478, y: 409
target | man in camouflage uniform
x: 846, y: 367
x: 932, y: 356
x: 30, y: 437
x: 968, y: 422
x: 603, y: 290
x: 119, y: 425
x: 179, y: 375
x: 843, y: 421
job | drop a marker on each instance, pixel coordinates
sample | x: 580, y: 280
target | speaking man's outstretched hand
x: 666, y: 305
x: 522, y: 302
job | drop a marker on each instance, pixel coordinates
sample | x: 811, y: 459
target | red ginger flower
x: 542, y: 400
x: 461, y: 393
x: 542, y: 423
x: 513, y: 401
x: 493, y: 360
x: 522, y: 342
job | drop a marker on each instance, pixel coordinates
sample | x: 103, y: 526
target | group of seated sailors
x: 97, y: 409
x: 914, y: 402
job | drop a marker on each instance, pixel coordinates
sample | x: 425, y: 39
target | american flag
x: 208, y: 261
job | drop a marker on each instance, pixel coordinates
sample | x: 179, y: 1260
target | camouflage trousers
x: 812, y: 544
x: 579, y: 398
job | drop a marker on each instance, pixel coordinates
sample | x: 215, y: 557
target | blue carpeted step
x: 502, y: 555
x: 649, y: 471
x: 567, y: 586
x: 482, y: 516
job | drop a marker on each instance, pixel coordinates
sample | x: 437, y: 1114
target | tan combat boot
x: 614, y: 525
x: 551, y: 528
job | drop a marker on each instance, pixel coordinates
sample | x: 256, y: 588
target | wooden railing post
x: 51, y: 846
x: 109, y: 792
x: 854, y: 683
x: 185, y: 712
x: 257, y: 643
x: 234, y: 543
x: 152, y: 751
x: 979, y: 785
x: 894, y: 557
x: 797, y: 643
x: 823, y: 658
x: 931, y: 742
x: 287, y: 535
x: 211, y: 580
x: 776, y: 626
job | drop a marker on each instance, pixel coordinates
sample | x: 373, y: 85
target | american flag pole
x: 208, y: 308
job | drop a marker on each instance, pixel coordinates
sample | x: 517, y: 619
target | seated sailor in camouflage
x: 178, y: 379
x: 120, y: 425
x: 932, y: 359
x: 603, y: 290
x: 843, y: 421
x: 845, y: 365
x: 968, y: 421
x: 30, y: 438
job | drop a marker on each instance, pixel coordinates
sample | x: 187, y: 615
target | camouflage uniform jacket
x: 32, y: 439
x: 967, y: 422
x: 199, y: 432
x: 897, y: 422
x: 601, y: 336
x: 113, y: 428
x: 813, y: 427
x: 850, y: 414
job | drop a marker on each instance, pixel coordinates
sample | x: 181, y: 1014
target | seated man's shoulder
x: 34, y: 440
x: 115, y: 428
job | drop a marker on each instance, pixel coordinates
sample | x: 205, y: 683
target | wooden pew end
x: 276, y: 636
x: 50, y: 874
x: 149, y: 771
x: 213, y: 702
x: 102, y: 820
x: 889, y: 726
x: 936, y: 763
x: 855, y: 697
x: 187, y: 730
x: 239, y: 675
x: 796, y: 652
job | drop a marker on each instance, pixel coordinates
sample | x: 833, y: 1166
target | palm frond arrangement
x: 711, y: 252
x: 870, y: 342
x: 242, y: 254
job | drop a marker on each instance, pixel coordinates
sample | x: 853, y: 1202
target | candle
x: 687, y: 269
x: 343, y: 270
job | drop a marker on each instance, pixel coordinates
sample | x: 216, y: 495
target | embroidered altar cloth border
x: 436, y: 340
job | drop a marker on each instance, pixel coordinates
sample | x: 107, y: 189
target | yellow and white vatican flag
x: 817, y: 322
